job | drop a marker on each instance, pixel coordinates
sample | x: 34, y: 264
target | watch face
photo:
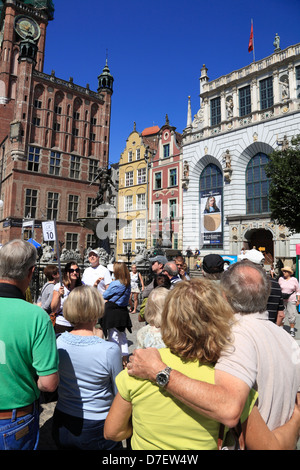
x: 162, y: 379
x: 25, y: 25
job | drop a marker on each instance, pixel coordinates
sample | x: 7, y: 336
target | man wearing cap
x: 96, y: 275
x: 213, y: 266
x: 275, y: 305
x: 157, y: 264
x: 291, y: 291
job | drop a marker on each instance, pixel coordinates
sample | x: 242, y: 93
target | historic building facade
x: 132, y: 197
x: 243, y: 117
x: 54, y: 134
x: 165, y: 190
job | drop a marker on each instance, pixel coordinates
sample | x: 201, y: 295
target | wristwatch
x: 163, y: 377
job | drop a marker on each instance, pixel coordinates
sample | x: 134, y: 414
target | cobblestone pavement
x: 47, y: 409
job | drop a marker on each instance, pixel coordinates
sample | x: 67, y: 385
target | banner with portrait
x: 211, y: 220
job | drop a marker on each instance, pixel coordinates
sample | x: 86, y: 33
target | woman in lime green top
x: 196, y: 326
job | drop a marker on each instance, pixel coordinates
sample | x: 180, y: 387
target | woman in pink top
x: 290, y: 292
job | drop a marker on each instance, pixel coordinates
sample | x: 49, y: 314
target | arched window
x: 211, y: 178
x: 257, y: 185
x: 211, y: 202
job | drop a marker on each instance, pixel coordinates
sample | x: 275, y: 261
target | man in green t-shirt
x: 28, y: 353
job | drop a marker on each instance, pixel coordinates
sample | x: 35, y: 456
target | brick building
x: 54, y: 134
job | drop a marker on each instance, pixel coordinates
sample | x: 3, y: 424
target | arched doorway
x: 262, y: 240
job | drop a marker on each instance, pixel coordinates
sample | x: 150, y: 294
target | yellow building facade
x: 132, y: 198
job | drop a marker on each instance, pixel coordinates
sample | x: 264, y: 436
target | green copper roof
x: 43, y: 4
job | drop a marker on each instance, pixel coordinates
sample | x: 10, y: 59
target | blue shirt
x: 118, y: 293
x: 88, y: 366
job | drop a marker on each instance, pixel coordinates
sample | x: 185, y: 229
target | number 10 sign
x: 49, y: 231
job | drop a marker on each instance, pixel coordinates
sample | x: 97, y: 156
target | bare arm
x: 48, y: 383
x: 142, y: 282
x: 118, y: 425
x: 55, y: 302
x: 223, y: 401
x: 259, y: 437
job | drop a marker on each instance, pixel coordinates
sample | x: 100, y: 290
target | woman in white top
x: 71, y: 279
x: 135, y: 280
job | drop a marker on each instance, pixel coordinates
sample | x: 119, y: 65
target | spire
x: 189, y: 114
x: 105, y: 80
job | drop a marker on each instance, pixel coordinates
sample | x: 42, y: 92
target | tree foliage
x: 284, y: 194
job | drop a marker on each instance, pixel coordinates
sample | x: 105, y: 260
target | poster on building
x: 211, y: 219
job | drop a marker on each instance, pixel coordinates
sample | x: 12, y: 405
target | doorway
x: 261, y: 240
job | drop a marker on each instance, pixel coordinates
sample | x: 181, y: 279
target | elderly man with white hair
x: 275, y: 305
x: 28, y: 354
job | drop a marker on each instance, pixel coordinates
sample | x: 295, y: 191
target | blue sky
x: 156, y: 51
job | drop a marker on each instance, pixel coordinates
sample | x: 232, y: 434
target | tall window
x: 211, y: 195
x: 128, y: 203
x: 75, y: 167
x: 52, y: 206
x: 128, y: 229
x: 93, y: 169
x: 31, y: 196
x: 211, y: 179
x: 245, y: 100
x: 91, y: 205
x: 33, y: 159
x: 166, y: 150
x: 141, y: 176
x: 157, y: 210
x: 157, y: 180
x: 298, y: 81
x: 73, y: 208
x: 173, y: 208
x: 141, y: 201
x: 71, y: 241
x: 173, y: 177
x: 257, y: 185
x: 126, y: 247
x: 140, y: 228
x: 266, y: 93
x: 55, y: 159
x: 129, y: 178
x: 215, y: 111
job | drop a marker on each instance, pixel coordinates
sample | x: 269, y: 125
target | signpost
x: 50, y: 235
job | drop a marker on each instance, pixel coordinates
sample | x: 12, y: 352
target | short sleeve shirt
x: 27, y: 350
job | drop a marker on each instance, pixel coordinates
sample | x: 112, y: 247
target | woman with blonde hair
x: 149, y: 336
x: 116, y: 318
x: 88, y: 366
x: 196, y: 327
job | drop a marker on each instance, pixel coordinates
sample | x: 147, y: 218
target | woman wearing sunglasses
x: 71, y: 279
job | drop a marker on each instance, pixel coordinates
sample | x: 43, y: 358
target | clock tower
x: 19, y: 21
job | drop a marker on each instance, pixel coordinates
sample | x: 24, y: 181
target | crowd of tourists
x: 213, y: 366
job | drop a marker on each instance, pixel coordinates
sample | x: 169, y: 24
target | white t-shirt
x: 90, y: 275
x: 60, y: 319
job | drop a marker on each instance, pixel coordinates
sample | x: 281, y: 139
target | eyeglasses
x: 74, y: 270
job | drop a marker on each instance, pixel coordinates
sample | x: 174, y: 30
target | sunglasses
x: 74, y: 270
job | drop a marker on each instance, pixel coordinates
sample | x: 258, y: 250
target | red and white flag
x: 250, y: 45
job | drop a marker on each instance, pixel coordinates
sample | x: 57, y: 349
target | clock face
x: 25, y: 25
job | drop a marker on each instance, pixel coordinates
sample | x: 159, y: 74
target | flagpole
x: 253, y: 42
